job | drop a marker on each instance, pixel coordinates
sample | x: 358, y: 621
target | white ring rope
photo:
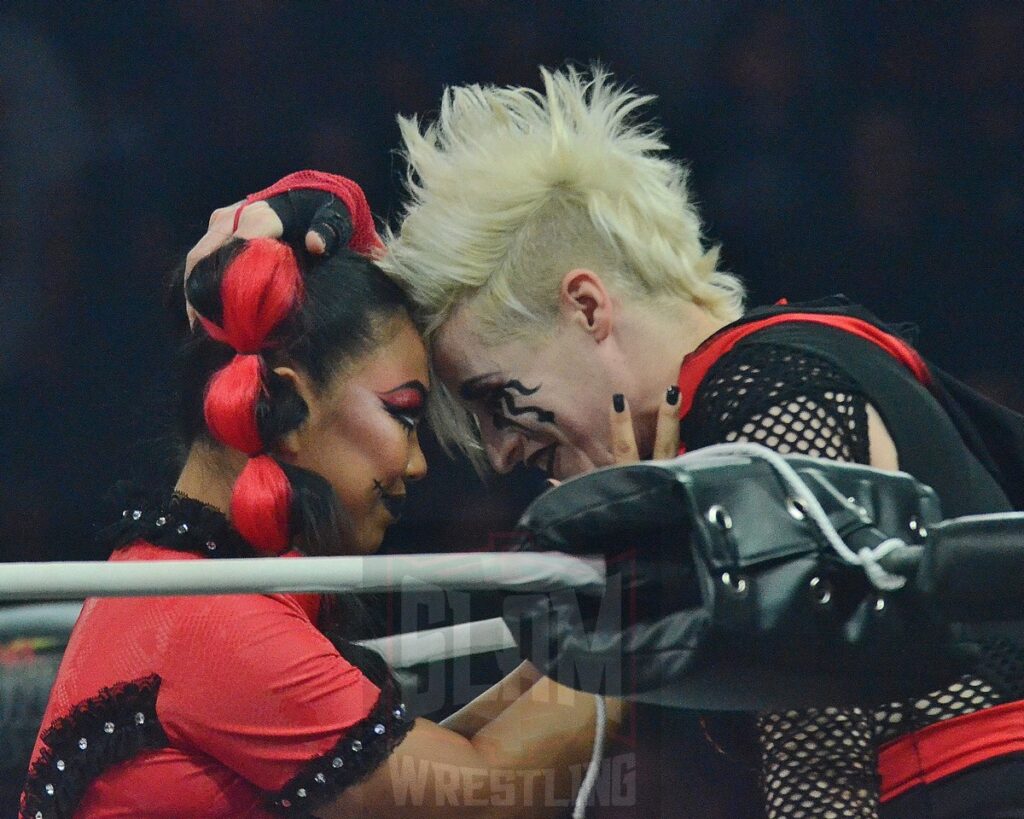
x: 402, y: 650
x: 596, y: 755
x: 868, y: 559
x: 536, y: 572
x: 469, y: 571
x: 443, y: 643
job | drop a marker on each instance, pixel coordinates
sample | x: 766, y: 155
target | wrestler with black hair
x: 303, y: 383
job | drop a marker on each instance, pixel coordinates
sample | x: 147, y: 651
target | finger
x: 315, y: 243
x: 624, y: 449
x: 330, y: 227
x: 211, y: 240
x: 259, y: 221
x: 218, y: 232
x: 666, y: 435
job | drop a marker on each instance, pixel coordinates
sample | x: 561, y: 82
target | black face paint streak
x: 500, y: 400
x: 513, y: 384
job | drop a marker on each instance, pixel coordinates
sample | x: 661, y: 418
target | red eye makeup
x: 405, y: 402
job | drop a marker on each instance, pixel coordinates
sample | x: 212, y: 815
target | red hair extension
x: 260, y: 286
x: 230, y: 405
x: 261, y: 504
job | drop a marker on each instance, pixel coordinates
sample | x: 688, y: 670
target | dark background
x: 871, y: 149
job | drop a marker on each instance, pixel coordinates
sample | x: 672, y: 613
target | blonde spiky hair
x: 510, y: 188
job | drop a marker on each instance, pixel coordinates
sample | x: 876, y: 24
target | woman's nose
x: 504, y: 449
x: 416, y: 468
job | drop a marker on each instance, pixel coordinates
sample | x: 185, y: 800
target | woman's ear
x: 290, y: 445
x: 584, y: 299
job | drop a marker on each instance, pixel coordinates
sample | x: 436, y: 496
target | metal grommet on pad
x: 797, y: 508
x: 718, y: 516
x: 821, y: 591
x: 735, y: 583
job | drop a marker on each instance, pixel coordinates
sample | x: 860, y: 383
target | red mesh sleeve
x: 364, y: 235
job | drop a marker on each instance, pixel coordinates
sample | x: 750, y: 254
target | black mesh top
x: 822, y: 762
x: 785, y: 399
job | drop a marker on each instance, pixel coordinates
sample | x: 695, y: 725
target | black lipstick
x: 395, y: 504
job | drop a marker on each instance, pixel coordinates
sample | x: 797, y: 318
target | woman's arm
x: 795, y: 402
x: 527, y: 761
x: 476, y: 714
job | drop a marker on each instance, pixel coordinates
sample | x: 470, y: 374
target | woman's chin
x: 370, y: 539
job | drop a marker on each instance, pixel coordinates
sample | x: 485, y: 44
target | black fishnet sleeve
x: 787, y: 399
x: 814, y: 762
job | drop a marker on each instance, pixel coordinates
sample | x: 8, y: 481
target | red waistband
x: 950, y: 746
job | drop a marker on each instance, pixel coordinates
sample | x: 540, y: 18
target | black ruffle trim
x: 173, y: 521
x: 356, y: 755
x: 100, y: 732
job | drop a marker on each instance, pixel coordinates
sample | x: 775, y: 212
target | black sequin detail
x: 177, y: 522
x: 173, y: 521
x: 361, y: 751
x: 97, y: 734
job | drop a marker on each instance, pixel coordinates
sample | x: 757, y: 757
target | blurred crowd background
x: 873, y: 149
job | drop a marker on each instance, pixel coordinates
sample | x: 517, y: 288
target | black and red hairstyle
x: 263, y: 304
x: 259, y: 289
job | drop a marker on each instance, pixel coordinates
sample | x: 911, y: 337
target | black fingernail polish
x: 619, y: 402
x: 672, y: 395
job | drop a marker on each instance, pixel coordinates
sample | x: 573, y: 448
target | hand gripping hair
x: 260, y: 303
x: 333, y: 206
x: 259, y: 289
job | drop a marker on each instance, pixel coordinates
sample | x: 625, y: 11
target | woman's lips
x: 544, y: 459
x: 395, y: 504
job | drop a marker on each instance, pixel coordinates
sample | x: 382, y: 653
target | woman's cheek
x: 391, y: 448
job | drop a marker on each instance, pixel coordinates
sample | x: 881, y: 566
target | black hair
x: 346, y: 308
x: 345, y: 311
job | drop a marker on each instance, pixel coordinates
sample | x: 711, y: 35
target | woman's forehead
x: 464, y: 360
x: 400, y: 358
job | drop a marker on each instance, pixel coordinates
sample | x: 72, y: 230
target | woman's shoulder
x: 306, y: 606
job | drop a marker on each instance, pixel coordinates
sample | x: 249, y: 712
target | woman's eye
x: 406, y: 405
x: 406, y: 420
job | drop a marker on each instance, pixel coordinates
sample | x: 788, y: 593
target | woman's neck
x: 209, y: 475
x: 660, y: 340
